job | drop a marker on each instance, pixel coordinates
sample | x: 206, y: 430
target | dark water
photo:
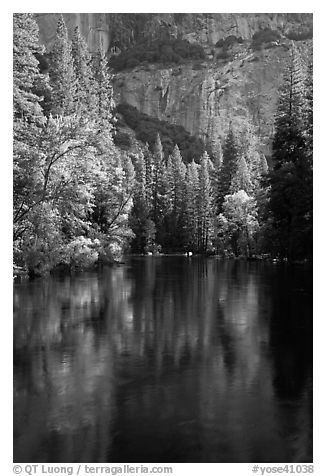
x: 165, y: 360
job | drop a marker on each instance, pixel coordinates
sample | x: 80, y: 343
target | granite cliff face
x: 93, y: 26
x: 236, y: 81
x: 205, y: 100
x: 204, y: 28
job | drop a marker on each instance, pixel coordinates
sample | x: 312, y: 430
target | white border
x: 319, y: 200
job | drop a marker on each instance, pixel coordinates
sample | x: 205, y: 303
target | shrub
x: 224, y: 55
x: 230, y: 40
x: 122, y: 139
x: 41, y: 248
x: 114, y: 251
x: 264, y: 36
x: 164, y: 51
x: 81, y: 253
x: 225, y: 44
x: 300, y: 35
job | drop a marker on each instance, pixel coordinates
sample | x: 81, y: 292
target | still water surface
x: 165, y: 359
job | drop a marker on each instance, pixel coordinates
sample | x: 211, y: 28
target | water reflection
x: 164, y: 359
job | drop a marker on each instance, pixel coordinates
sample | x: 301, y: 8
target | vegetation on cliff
x: 266, y: 35
x: 163, y: 51
x: 147, y: 128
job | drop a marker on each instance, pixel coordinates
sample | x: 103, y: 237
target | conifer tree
x: 165, y: 210
x: 241, y: 179
x: 308, y: 110
x: 214, y: 167
x: 140, y: 213
x: 140, y: 177
x: 158, y: 172
x: 170, y: 173
x: 204, y: 200
x: 291, y: 177
x: 231, y: 155
x: 28, y: 119
x: 149, y: 169
x: 192, y: 190
x: 26, y: 74
x: 85, y: 94
x: 61, y: 73
x: 176, y: 172
x: 103, y: 88
x: 288, y: 140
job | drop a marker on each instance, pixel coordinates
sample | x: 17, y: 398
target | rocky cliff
x: 205, y: 99
x: 237, y: 79
x: 95, y: 27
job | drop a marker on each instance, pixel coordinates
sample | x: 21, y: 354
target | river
x: 165, y: 359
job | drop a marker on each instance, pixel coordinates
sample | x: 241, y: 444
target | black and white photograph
x: 162, y: 241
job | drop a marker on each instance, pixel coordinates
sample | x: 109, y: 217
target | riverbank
x: 20, y: 272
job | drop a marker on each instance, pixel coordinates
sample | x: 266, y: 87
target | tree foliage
x: 62, y: 73
x: 231, y: 155
x: 80, y: 200
x: 72, y: 187
x: 291, y: 176
x: 85, y: 84
x: 238, y: 223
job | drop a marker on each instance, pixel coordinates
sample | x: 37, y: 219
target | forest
x: 80, y: 200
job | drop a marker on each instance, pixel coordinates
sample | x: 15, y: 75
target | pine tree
x: 140, y: 176
x: 241, y: 179
x: 165, y: 210
x: 103, y: 88
x: 205, y: 201
x: 28, y: 119
x: 231, y: 155
x: 214, y: 172
x: 26, y: 73
x: 178, y: 169
x: 250, y: 150
x: 302, y: 221
x: 291, y: 177
x: 192, y: 190
x: 176, y: 172
x: 149, y: 168
x: 61, y: 73
x: 171, y: 197
x: 261, y: 194
x: 288, y: 141
x: 308, y: 110
x: 85, y: 94
x: 140, y: 213
x: 158, y: 171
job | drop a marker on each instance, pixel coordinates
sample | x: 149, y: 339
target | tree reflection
x: 164, y: 359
